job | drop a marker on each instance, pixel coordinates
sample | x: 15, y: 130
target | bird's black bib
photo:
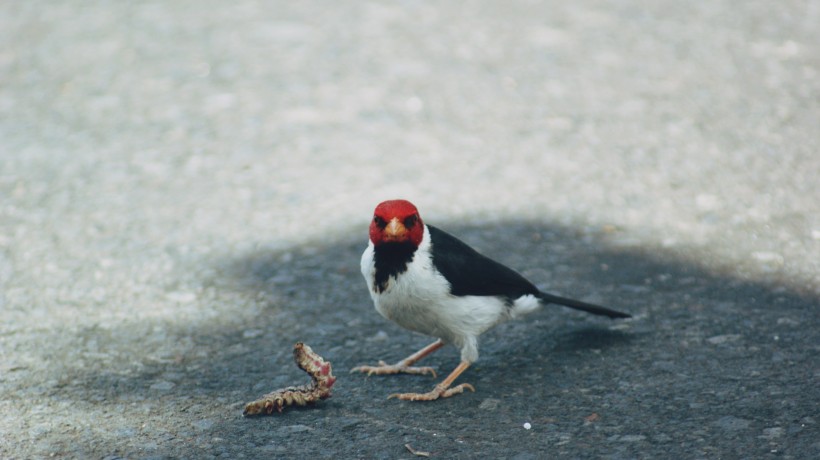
x: 391, y: 259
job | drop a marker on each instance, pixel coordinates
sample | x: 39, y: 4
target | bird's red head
x: 396, y: 221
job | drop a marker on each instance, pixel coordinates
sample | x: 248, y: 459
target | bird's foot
x: 440, y: 391
x: 399, y: 368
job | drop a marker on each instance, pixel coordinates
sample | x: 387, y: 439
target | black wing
x: 472, y: 273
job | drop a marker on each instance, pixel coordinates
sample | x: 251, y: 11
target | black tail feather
x: 583, y: 306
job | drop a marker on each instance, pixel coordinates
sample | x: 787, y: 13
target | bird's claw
x: 387, y: 369
x: 436, y: 393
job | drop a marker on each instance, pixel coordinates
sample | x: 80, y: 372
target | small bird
x: 430, y: 282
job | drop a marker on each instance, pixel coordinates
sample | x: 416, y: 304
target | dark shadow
x: 592, y: 338
x: 665, y: 377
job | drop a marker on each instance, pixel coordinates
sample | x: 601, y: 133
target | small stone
x: 768, y: 257
x: 718, y: 339
x: 632, y: 438
x: 163, y: 385
x: 773, y: 433
x: 380, y: 336
x: 489, y: 404
x: 346, y: 423
x: 181, y: 297
x: 707, y: 202
x: 292, y: 429
x: 252, y: 333
x: 203, y: 424
x: 527, y: 426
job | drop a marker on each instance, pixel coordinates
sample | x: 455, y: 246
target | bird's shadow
x: 592, y: 338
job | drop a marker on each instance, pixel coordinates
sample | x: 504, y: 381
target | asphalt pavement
x: 185, y: 189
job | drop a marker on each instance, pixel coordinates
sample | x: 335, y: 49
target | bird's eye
x: 411, y: 221
x: 379, y: 221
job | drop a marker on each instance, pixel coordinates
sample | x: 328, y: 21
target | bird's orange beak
x: 395, y: 230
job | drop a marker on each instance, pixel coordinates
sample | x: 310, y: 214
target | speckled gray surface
x: 185, y: 187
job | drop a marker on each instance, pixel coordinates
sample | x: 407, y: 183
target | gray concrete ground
x: 185, y: 188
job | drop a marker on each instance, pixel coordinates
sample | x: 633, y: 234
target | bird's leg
x: 404, y: 366
x: 442, y: 390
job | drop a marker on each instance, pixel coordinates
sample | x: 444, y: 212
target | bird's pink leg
x: 442, y: 390
x: 404, y: 366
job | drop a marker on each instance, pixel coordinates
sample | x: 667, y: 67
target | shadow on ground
x: 710, y: 366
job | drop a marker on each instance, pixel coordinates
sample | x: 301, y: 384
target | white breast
x: 419, y: 299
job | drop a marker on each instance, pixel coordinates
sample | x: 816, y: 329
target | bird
x: 428, y: 281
